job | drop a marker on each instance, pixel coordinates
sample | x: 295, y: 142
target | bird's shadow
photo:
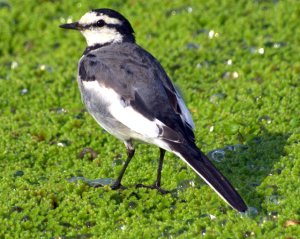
x: 248, y: 166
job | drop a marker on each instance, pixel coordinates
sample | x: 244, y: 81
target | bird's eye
x: 100, y: 23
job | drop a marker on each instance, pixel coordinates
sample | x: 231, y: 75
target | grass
x: 252, y: 104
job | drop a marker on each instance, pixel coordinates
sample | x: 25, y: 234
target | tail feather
x: 207, y: 171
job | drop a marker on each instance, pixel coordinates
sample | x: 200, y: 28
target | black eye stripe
x: 99, y: 23
x: 93, y: 25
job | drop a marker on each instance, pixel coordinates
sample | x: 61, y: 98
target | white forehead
x: 92, y: 17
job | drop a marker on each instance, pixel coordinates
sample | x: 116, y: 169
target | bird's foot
x: 153, y: 186
x: 117, y: 185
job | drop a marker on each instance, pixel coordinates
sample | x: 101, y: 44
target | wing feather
x: 148, y: 102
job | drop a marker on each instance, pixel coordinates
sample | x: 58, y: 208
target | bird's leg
x: 130, y: 152
x: 159, y: 169
x: 156, y: 184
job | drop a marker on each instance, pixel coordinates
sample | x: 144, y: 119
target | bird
x: 129, y: 94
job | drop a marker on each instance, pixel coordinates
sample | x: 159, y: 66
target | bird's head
x: 103, y: 26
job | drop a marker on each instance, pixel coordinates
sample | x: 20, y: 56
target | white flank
x: 149, y: 130
x: 135, y: 121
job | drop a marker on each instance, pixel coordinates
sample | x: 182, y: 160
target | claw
x: 153, y: 186
x: 116, y: 186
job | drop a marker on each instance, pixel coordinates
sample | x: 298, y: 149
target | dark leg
x: 130, y: 153
x: 156, y: 184
x: 160, y: 165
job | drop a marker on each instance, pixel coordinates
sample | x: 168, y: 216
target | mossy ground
x: 253, y: 102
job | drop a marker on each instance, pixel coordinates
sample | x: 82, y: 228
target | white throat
x: 105, y: 35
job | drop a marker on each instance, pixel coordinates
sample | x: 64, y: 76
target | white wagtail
x: 130, y: 95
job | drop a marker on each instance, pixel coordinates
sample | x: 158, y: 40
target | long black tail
x: 207, y: 171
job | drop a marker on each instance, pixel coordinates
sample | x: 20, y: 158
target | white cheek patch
x: 127, y: 115
x: 92, y: 17
x: 99, y: 35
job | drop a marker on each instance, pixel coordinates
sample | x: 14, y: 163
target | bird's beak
x: 73, y: 25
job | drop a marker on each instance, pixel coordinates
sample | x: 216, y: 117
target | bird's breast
x: 98, y: 100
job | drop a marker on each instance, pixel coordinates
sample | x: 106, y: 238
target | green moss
x: 253, y: 102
